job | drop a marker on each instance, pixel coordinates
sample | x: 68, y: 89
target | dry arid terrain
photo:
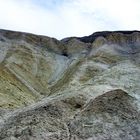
x: 77, y: 88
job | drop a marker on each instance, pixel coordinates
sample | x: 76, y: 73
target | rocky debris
x: 112, y: 115
x: 73, y: 89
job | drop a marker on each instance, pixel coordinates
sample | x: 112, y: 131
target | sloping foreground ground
x: 75, y: 89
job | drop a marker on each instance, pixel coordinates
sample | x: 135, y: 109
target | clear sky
x: 64, y: 18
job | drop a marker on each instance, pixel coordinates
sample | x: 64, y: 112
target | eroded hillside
x: 73, y: 89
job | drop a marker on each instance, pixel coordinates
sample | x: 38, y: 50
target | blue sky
x: 63, y: 18
x: 49, y: 4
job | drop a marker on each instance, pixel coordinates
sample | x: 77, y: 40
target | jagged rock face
x: 73, y: 89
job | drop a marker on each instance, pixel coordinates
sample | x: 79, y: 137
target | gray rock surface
x: 74, y: 89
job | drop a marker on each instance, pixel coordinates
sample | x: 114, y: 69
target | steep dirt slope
x: 73, y: 89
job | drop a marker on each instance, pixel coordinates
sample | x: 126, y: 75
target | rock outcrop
x: 84, y: 88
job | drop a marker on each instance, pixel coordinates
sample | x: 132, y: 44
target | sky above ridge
x: 65, y: 18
